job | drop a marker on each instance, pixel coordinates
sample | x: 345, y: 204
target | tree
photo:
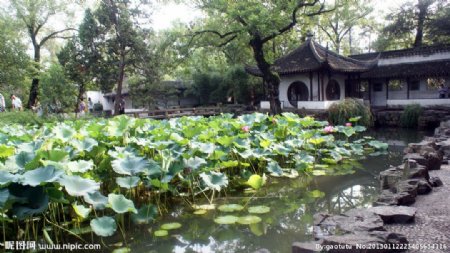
x: 257, y: 23
x: 119, y: 44
x: 338, y: 24
x: 424, y: 22
x: 35, y: 16
x: 60, y: 94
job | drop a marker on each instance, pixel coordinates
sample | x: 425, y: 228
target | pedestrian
x: 36, y: 108
x: 122, y: 106
x: 82, y: 107
x: 443, y: 91
x: 16, y: 103
x: 90, y: 105
x: 2, y: 103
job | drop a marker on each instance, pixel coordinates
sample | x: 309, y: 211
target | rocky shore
x: 395, y: 222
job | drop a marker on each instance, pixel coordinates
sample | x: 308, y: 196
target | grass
x: 410, y: 116
x: 340, y: 113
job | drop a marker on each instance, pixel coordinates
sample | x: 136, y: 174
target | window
x: 333, y: 90
x: 414, y: 85
x: 396, y: 84
x: 435, y: 83
x: 297, y: 91
x: 377, y: 87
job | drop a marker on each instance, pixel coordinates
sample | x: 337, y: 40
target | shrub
x: 98, y: 107
x: 340, y: 113
x: 410, y: 116
x: 22, y: 118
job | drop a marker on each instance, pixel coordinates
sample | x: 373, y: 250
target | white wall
x: 422, y: 102
x: 415, y: 58
x: 107, y: 102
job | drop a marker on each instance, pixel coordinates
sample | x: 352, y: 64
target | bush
x: 340, y: 113
x: 410, y: 116
x: 98, y: 107
x: 20, y: 117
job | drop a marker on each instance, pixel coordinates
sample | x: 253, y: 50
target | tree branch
x: 227, y: 35
x: 53, y: 35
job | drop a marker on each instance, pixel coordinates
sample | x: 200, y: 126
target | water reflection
x: 293, y: 204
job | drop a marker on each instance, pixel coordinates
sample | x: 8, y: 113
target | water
x: 293, y: 203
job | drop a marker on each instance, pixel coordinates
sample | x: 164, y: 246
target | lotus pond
x: 189, y: 184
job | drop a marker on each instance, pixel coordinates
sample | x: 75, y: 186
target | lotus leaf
x: 200, y: 211
x: 82, y: 211
x: 249, y: 219
x: 230, y: 208
x: 161, y: 233
x: 85, y: 145
x: 4, y: 195
x: 274, y: 168
x: 257, y: 229
x: 7, y: 178
x: 120, y: 204
x: 78, y: 186
x: 170, y: 226
x: 205, y: 207
x: 29, y: 200
x: 214, y: 180
x: 259, y: 209
x: 6, y: 151
x: 104, y: 226
x: 122, y: 250
x: 130, y: 165
x: 145, y: 214
x: 255, y: 181
x: 63, y: 132
x: 127, y: 182
x: 96, y: 199
x: 227, y: 219
x: 194, y: 162
x: 80, y: 166
x: 41, y: 175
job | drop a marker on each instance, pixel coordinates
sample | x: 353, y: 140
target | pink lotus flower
x: 348, y: 124
x: 246, y: 129
x: 328, y: 129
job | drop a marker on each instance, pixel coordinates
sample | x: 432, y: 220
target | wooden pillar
x: 310, y: 86
x: 407, y: 88
x: 318, y: 86
x: 370, y: 91
x: 387, y: 89
x: 323, y: 93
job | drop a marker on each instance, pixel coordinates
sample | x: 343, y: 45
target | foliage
x: 340, y: 113
x: 107, y: 163
x: 21, y: 118
x: 410, y: 116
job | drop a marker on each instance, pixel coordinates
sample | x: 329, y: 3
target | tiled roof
x: 425, y: 50
x: 417, y: 69
x: 311, y: 56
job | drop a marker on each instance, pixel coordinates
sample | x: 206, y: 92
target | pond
x: 292, y: 202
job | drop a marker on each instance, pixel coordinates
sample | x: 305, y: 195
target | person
x: 16, y: 103
x: 36, y: 108
x: 122, y: 106
x: 90, y: 105
x: 2, y: 103
x: 443, y: 91
x: 82, y: 107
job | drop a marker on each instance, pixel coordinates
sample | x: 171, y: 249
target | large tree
x: 35, y: 15
x: 119, y: 43
x: 258, y: 23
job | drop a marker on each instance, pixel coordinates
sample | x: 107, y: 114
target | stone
x: 416, y: 147
x: 306, y: 247
x: 390, y: 238
x: 436, y: 182
x: 410, y: 186
x: 386, y: 198
x: 423, y: 187
x: 395, y: 214
x: 354, y: 220
x: 416, y: 157
x: 390, y: 177
x: 353, y: 243
x: 405, y: 199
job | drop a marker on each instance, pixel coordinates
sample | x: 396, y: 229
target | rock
x: 390, y: 238
x: 405, y: 199
x: 423, y: 187
x: 410, y: 186
x: 416, y: 157
x: 306, y: 247
x: 416, y: 147
x: 354, y: 220
x: 386, y: 198
x: 436, y: 182
x: 390, y: 177
x: 394, y: 214
x: 353, y: 243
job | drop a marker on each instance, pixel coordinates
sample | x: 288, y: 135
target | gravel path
x: 432, y: 223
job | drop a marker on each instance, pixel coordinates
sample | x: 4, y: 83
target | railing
x: 179, y: 112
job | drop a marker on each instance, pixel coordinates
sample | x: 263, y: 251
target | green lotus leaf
x: 204, y: 207
x: 80, y: 166
x: 214, y: 180
x: 28, y: 201
x: 153, y: 170
x: 170, y: 226
x: 96, y: 199
x: 55, y: 155
x: 145, y: 214
x: 378, y: 144
x: 161, y: 233
x: 78, y: 186
x: 41, y: 175
x: 227, y: 219
x: 63, y: 132
x: 194, y: 162
x: 127, y: 182
x: 82, y: 211
x: 6, y: 151
x: 274, y: 169
x: 4, y: 195
x: 255, y: 181
x: 118, y: 126
x: 84, y: 145
x: 206, y: 148
x: 200, y: 211
x: 120, y: 204
x: 230, y: 208
x: 56, y: 195
x: 20, y: 160
x: 249, y: 219
x: 122, y: 250
x: 257, y: 229
x: 259, y: 209
x: 104, y: 226
x: 130, y: 165
x: 7, y: 178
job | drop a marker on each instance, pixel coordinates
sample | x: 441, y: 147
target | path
x: 432, y: 223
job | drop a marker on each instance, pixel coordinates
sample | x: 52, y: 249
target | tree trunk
x: 271, y: 79
x: 34, y: 90
x: 81, y: 91
x: 119, y: 84
x: 423, y: 9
